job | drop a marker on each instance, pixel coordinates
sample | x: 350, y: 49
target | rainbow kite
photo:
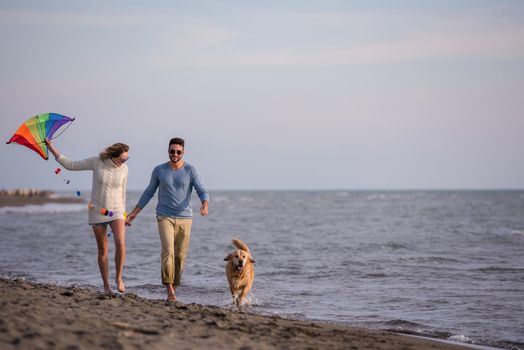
x: 35, y: 130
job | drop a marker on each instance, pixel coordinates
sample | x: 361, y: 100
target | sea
x: 441, y: 264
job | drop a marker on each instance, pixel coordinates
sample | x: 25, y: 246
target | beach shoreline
x: 36, y: 315
x: 7, y: 200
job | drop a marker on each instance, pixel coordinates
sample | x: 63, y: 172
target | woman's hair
x: 114, y: 151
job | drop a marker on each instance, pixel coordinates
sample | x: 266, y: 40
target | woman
x: 108, y: 191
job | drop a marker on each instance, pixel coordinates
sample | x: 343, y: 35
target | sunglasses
x: 177, y: 151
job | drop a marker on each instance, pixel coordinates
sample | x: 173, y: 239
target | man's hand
x: 130, y: 217
x: 204, y: 209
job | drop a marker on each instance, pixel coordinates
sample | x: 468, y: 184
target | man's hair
x: 176, y: 141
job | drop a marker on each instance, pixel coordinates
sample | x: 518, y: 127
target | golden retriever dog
x: 240, y: 271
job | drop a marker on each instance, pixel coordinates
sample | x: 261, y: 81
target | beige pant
x: 174, y: 235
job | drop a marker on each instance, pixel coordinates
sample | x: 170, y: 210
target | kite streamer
x: 33, y: 132
x: 101, y: 210
x: 58, y: 172
x: 105, y: 212
x: 90, y: 205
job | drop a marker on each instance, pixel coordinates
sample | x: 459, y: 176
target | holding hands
x: 131, y: 216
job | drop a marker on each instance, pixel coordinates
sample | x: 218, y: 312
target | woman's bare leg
x: 119, y: 232
x: 103, y: 264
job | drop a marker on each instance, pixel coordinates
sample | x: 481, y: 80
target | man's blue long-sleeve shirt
x: 174, y: 190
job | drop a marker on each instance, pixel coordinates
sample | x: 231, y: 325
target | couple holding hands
x: 174, y: 180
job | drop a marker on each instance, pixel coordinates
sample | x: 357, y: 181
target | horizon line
x: 421, y: 189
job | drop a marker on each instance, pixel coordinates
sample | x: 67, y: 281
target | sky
x: 272, y: 95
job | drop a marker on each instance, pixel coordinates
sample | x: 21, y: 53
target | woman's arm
x: 85, y: 164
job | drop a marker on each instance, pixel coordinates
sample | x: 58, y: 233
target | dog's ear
x: 227, y: 258
x: 251, y: 260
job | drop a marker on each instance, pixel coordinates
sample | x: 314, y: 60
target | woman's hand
x: 51, y: 148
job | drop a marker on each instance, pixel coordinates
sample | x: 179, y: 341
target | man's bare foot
x: 120, y: 286
x: 171, y: 295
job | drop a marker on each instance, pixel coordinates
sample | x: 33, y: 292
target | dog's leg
x: 237, y: 299
x: 245, y: 289
x: 234, y: 295
x: 242, y: 297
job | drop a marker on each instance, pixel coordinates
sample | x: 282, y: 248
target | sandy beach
x: 45, y: 316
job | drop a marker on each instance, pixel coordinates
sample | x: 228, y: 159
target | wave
x: 498, y: 269
x: 412, y: 328
x: 220, y: 199
x: 376, y: 275
x: 44, y: 208
x: 398, y: 323
x: 386, y: 246
x: 431, y: 259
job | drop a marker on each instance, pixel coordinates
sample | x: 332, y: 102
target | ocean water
x: 445, y: 264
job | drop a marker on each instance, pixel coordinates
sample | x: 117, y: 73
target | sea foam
x: 44, y: 208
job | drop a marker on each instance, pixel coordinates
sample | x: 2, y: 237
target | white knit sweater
x: 108, y: 189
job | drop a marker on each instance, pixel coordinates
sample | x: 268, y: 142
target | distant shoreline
x: 35, y: 198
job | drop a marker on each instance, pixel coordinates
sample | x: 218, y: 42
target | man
x: 175, y: 181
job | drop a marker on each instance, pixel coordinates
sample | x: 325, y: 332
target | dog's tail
x: 240, y: 245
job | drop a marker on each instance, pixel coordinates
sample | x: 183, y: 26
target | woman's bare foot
x: 120, y: 286
x: 107, y: 290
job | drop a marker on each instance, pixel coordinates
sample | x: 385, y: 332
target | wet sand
x: 46, y: 316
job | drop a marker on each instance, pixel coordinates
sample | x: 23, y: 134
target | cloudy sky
x: 273, y: 94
